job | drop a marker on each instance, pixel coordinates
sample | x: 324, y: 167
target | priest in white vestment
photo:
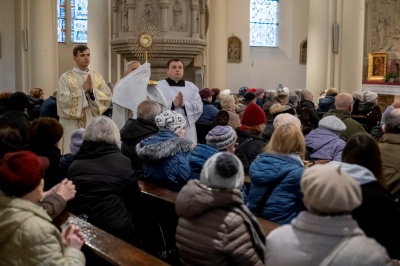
x: 82, y: 94
x: 130, y: 91
x: 182, y: 96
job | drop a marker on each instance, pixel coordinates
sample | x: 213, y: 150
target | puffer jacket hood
x: 14, y: 212
x: 326, y: 103
x: 162, y: 145
x: 361, y: 174
x: 196, y: 198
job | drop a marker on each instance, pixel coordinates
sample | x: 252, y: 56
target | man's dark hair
x: 173, y: 60
x: 392, y: 124
x: 80, y: 48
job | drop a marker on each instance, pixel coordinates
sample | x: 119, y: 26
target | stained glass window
x: 264, y: 23
x: 75, y: 24
x: 61, y: 20
x: 79, y: 14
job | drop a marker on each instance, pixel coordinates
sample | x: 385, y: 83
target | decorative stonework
x: 181, y: 23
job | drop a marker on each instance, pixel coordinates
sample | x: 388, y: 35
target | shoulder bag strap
x: 331, y: 256
x: 267, y: 194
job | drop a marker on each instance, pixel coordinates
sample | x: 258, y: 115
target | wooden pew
x: 106, y: 246
x: 170, y: 196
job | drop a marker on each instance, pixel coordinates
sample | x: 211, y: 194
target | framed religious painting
x: 377, y: 63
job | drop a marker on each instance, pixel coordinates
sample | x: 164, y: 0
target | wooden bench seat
x: 108, y: 247
x: 170, y: 196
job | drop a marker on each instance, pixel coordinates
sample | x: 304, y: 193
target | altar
x: 380, y: 87
x: 387, y: 91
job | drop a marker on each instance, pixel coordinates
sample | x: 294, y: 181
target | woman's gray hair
x: 304, y: 93
x: 102, y: 129
x: 148, y: 110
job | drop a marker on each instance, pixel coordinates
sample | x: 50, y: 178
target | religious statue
x: 149, y: 14
x: 178, y: 13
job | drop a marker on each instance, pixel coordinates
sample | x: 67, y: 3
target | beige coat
x: 27, y: 236
x: 208, y: 234
x: 389, y: 147
x: 234, y: 119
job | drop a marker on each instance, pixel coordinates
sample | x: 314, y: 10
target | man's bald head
x: 392, y: 123
x: 131, y: 66
x: 343, y: 101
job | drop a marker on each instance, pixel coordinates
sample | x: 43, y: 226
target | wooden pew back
x: 106, y: 246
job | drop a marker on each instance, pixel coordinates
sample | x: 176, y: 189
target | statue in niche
x: 178, y: 14
x: 234, y: 50
x: 125, y: 26
x: 149, y: 14
x: 303, y: 53
x: 381, y: 28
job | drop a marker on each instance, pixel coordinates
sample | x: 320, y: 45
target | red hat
x: 216, y: 91
x: 21, y: 172
x: 253, y: 115
x: 205, y: 93
x: 253, y: 90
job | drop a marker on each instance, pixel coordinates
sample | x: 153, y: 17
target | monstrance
x: 144, y: 46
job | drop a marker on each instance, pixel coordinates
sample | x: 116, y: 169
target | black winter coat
x: 134, y: 131
x: 35, y: 104
x: 20, y: 121
x: 106, y: 190
x: 249, y: 146
x: 51, y: 152
x: 379, y: 217
x: 314, y: 119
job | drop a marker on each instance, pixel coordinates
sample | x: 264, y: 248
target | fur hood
x: 162, y: 145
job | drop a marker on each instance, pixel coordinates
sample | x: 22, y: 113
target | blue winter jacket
x: 326, y: 144
x: 199, y: 156
x: 166, y: 159
x: 210, y: 112
x: 286, y: 200
x: 325, y: 104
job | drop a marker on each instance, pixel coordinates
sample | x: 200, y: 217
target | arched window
x: 72, y: 21
x: 264, y: 23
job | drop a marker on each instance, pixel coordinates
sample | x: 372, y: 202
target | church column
x: 98, y: 33
x: 319, y: 46
x: 114, y: 8
x: 202, y: 21
x: 350, y: 55
x: 216, y: 65
x: 164, y: 4
x: 42, y: 46
x: 195, y: 21
x: 131, y: 5
x: 343, y: 69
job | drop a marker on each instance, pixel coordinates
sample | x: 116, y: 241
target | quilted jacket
x: 209, y: 234
x: 166, y: 159
x: 326, y: 144
x: 286, y: 201
x: 27, y: 236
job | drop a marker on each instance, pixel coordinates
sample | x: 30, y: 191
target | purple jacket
x: 326, y: 144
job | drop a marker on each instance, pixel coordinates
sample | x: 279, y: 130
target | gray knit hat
x: 76, y: 140
x: 223, y: 170
x: 171, y: 121
x: 220, y: 137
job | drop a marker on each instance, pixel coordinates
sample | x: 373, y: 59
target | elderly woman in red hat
x: 27, y: 236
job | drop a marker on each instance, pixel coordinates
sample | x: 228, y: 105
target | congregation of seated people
x: 332, y: 186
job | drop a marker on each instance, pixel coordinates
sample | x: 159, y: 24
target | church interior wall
x: 268, y: 67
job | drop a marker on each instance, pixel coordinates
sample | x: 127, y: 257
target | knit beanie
x: 76, y: 140
x: 171, y: 121
x: 249, y: 96
x: 215, y: 91
x: 220, y: 137
x: 242, y: 91
x: 329, y: 189
x: 253, y: 115
x: 19, y: 101
x: 370, y: 96
x: 223, y: 170
x: 259, y: 91
x: 21, y: 172
x: 282, y: 119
